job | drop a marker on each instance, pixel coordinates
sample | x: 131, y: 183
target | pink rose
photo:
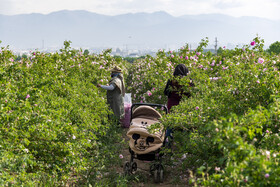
x: 260, y: 60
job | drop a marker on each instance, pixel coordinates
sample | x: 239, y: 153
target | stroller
x: 144, y: 145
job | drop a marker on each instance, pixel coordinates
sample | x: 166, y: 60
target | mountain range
x: 134, y: 30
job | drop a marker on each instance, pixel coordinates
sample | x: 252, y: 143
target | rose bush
x: 230, y: 121
x: 54, y: 120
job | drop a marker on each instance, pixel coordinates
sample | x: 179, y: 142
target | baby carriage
x: 145, y: 145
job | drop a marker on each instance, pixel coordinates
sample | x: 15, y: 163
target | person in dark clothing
x: 173, y: 89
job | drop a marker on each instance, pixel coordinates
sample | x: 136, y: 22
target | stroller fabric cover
x: 141, y: 141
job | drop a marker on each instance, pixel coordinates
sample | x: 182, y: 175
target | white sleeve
x: 110, y: 87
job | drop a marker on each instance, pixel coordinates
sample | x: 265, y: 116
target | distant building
x: 133, y: 55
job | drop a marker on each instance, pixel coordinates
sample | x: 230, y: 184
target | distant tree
x: 24, y: 56
x: 274, y: 48
x: 220, y: 50
x: 86, y: 52
x: 130, y: 59
x: 118, y: 58
x: 67, y: 44
x: 18, y: 58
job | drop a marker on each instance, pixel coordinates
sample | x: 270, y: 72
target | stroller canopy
x: 146, y: 112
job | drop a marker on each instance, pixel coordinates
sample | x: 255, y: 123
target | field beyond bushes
x: 55, y: 130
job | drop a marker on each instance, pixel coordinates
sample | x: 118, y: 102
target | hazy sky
x: 260, y: 8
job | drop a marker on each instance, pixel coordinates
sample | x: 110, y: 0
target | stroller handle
x: 149, y: 104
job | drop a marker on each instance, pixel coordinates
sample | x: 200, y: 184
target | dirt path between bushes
x: 143, y: 175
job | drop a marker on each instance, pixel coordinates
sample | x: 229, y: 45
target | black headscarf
x: 181, y: 70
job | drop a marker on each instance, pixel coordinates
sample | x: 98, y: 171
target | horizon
x: 235, y: 8
x: 134, y: 13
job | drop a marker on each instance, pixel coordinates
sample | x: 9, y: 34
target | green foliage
x: 54, y: 120
x: 274, y: 48
x: 225, y: 131
x: 86, y: 52
x: 55, y: 129
x: 133, y: 59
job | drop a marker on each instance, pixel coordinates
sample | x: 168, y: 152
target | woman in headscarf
x: 175, y: 92
x: 115, y: 92
x: 173, y: 89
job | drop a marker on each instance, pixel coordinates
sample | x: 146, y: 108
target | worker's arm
x: 110, y: 87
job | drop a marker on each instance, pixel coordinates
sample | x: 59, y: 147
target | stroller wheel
x: 158, y: 173
x: 134, y: 166
x: 156, y: 178
x: 160, y: 170
x: 127, y: 169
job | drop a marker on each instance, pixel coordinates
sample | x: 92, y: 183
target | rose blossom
x: 260, y: 60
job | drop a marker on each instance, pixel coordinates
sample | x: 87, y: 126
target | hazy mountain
x: 139, y: 30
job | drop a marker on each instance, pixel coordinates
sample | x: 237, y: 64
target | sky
x: 237, y: 8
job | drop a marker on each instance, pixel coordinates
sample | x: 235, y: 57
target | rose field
x: 55, y: 130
